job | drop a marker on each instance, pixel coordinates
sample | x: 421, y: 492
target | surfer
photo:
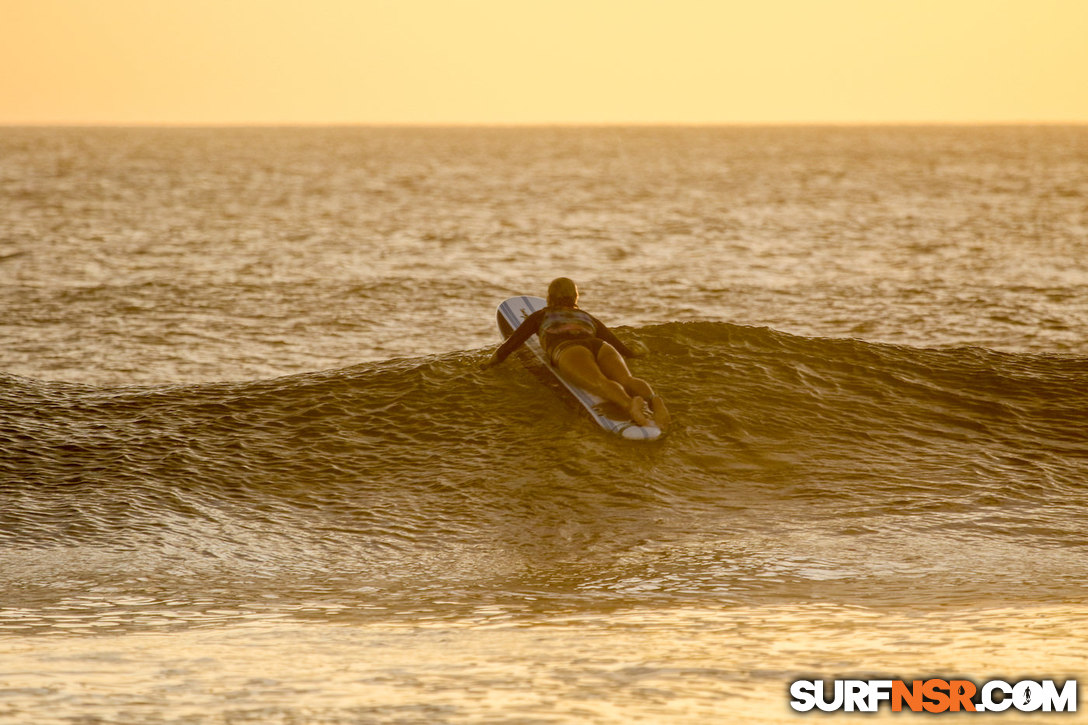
x: 586, y: 353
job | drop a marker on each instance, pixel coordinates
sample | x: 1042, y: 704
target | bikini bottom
x: 593, y: 343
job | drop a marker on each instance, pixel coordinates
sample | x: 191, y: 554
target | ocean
x: 251, y: 472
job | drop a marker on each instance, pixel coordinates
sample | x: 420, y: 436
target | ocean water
x: 251, y: 472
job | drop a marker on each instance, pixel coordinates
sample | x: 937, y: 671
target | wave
x: 417, y: 452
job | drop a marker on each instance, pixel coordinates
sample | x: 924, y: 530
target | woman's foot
x: 637, y: 411
x: 661, y: 413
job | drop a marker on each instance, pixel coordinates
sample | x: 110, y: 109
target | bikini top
x: 565, y: 323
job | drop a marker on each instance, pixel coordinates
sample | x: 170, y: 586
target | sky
x: 542, y: 61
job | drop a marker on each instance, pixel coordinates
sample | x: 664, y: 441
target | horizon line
x: 532, y: 124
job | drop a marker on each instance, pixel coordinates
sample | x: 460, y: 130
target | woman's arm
x: 608, y: 336
x: 525, y: 330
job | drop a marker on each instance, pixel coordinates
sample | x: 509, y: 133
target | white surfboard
x: 510, y: 315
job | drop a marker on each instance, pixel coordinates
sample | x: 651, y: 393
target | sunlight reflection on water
x: 684, y: 665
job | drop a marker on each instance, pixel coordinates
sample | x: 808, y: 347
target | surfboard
x: 511, y: 314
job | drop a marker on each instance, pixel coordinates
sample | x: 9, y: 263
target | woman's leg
x: 578, y: 365
x: 615, y: 368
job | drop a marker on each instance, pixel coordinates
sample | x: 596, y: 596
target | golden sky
x: 543, y: 61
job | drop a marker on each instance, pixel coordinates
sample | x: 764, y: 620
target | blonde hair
x: 562, y: 291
